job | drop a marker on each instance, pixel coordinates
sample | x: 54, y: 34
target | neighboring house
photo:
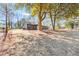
x: 29, y: 25
x: 32, y: 26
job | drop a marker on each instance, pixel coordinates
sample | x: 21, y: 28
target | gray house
x: 29, y: 25
x: 32, y: 26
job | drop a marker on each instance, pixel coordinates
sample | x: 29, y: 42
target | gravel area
x: 36, y: 43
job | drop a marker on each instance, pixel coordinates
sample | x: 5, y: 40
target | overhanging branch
x: 43, y: 16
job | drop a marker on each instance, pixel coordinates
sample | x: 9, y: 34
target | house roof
x: 29, y: 22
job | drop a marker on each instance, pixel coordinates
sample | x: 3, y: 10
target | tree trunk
x: 51, y: 19
x: 6, y: 29
x: 39, y: 22
x: 54, y: 23
x: 40, y: 18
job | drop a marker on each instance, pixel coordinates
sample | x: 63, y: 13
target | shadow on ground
x: 43, y: 45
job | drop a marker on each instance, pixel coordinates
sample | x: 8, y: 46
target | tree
x: 56, y: 11
x: 72, y: 13
x: 6, y: 29
x: 6, y: 11
x: 20, y: 23
x: 40, y: 10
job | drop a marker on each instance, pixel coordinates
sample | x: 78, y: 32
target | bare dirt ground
x: 36, y: 43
